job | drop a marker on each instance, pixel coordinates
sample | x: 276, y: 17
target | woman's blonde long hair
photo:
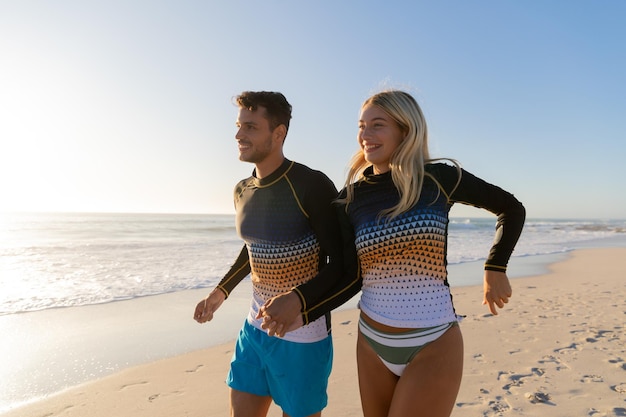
x: 408, y: 160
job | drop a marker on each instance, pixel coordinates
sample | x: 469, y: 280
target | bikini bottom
x: 396, y: 350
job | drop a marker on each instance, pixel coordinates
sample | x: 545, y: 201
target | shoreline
x: 204, y: 369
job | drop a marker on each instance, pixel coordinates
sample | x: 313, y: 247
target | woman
x: 396, y: 205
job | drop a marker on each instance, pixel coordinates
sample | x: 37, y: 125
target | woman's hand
x: 497, y: 290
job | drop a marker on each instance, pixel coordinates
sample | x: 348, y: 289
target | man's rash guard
x: 292, y: 241
x: 404, y: 260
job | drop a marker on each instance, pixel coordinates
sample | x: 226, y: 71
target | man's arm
x: 237, y: 272
x: 206, y: 308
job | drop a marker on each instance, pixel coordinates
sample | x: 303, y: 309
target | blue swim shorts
x: 294, y: 374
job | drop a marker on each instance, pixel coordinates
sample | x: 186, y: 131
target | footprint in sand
x: 596, y: 335
x: 68, y: 407
x: 499, y: 405
x: 591, y: 378
x: 167, y: 394
x: 621, y: 388
x: 539, y: 397
x: 479, y: 358
x: 618, y: 362
x: 517, y: 380
x: 567, y: 349
x: 538, y: 371
x: 502, y: 374
x: 551, y: 359
x: 197, y: 368
x: 133, y: 384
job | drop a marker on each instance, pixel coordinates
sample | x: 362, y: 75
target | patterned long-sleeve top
x: 404, y: 260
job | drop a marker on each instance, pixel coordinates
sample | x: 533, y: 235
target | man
x: 292, y: 247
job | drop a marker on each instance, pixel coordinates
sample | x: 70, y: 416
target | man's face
x: 254, y: 136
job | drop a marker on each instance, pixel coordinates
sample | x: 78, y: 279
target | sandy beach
x: 557, y: 349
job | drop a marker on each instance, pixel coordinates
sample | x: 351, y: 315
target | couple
x: 309, y: 250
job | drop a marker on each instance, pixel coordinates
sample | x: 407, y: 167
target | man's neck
x: 268, y: 166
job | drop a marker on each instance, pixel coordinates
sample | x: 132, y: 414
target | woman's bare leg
x: 430, y: 383
x: 376, y: 382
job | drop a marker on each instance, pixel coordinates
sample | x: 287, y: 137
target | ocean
x: 63, y: 260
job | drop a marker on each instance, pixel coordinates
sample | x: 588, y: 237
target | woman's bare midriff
x: 383, y: 327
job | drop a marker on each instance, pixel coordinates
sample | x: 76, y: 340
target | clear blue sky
x: 125, y: 106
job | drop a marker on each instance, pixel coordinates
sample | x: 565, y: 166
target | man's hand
x: 497, y: 290
x: 281, y: 314
x: 205, y: 308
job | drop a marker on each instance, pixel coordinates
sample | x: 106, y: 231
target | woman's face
x: 379, y: 136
